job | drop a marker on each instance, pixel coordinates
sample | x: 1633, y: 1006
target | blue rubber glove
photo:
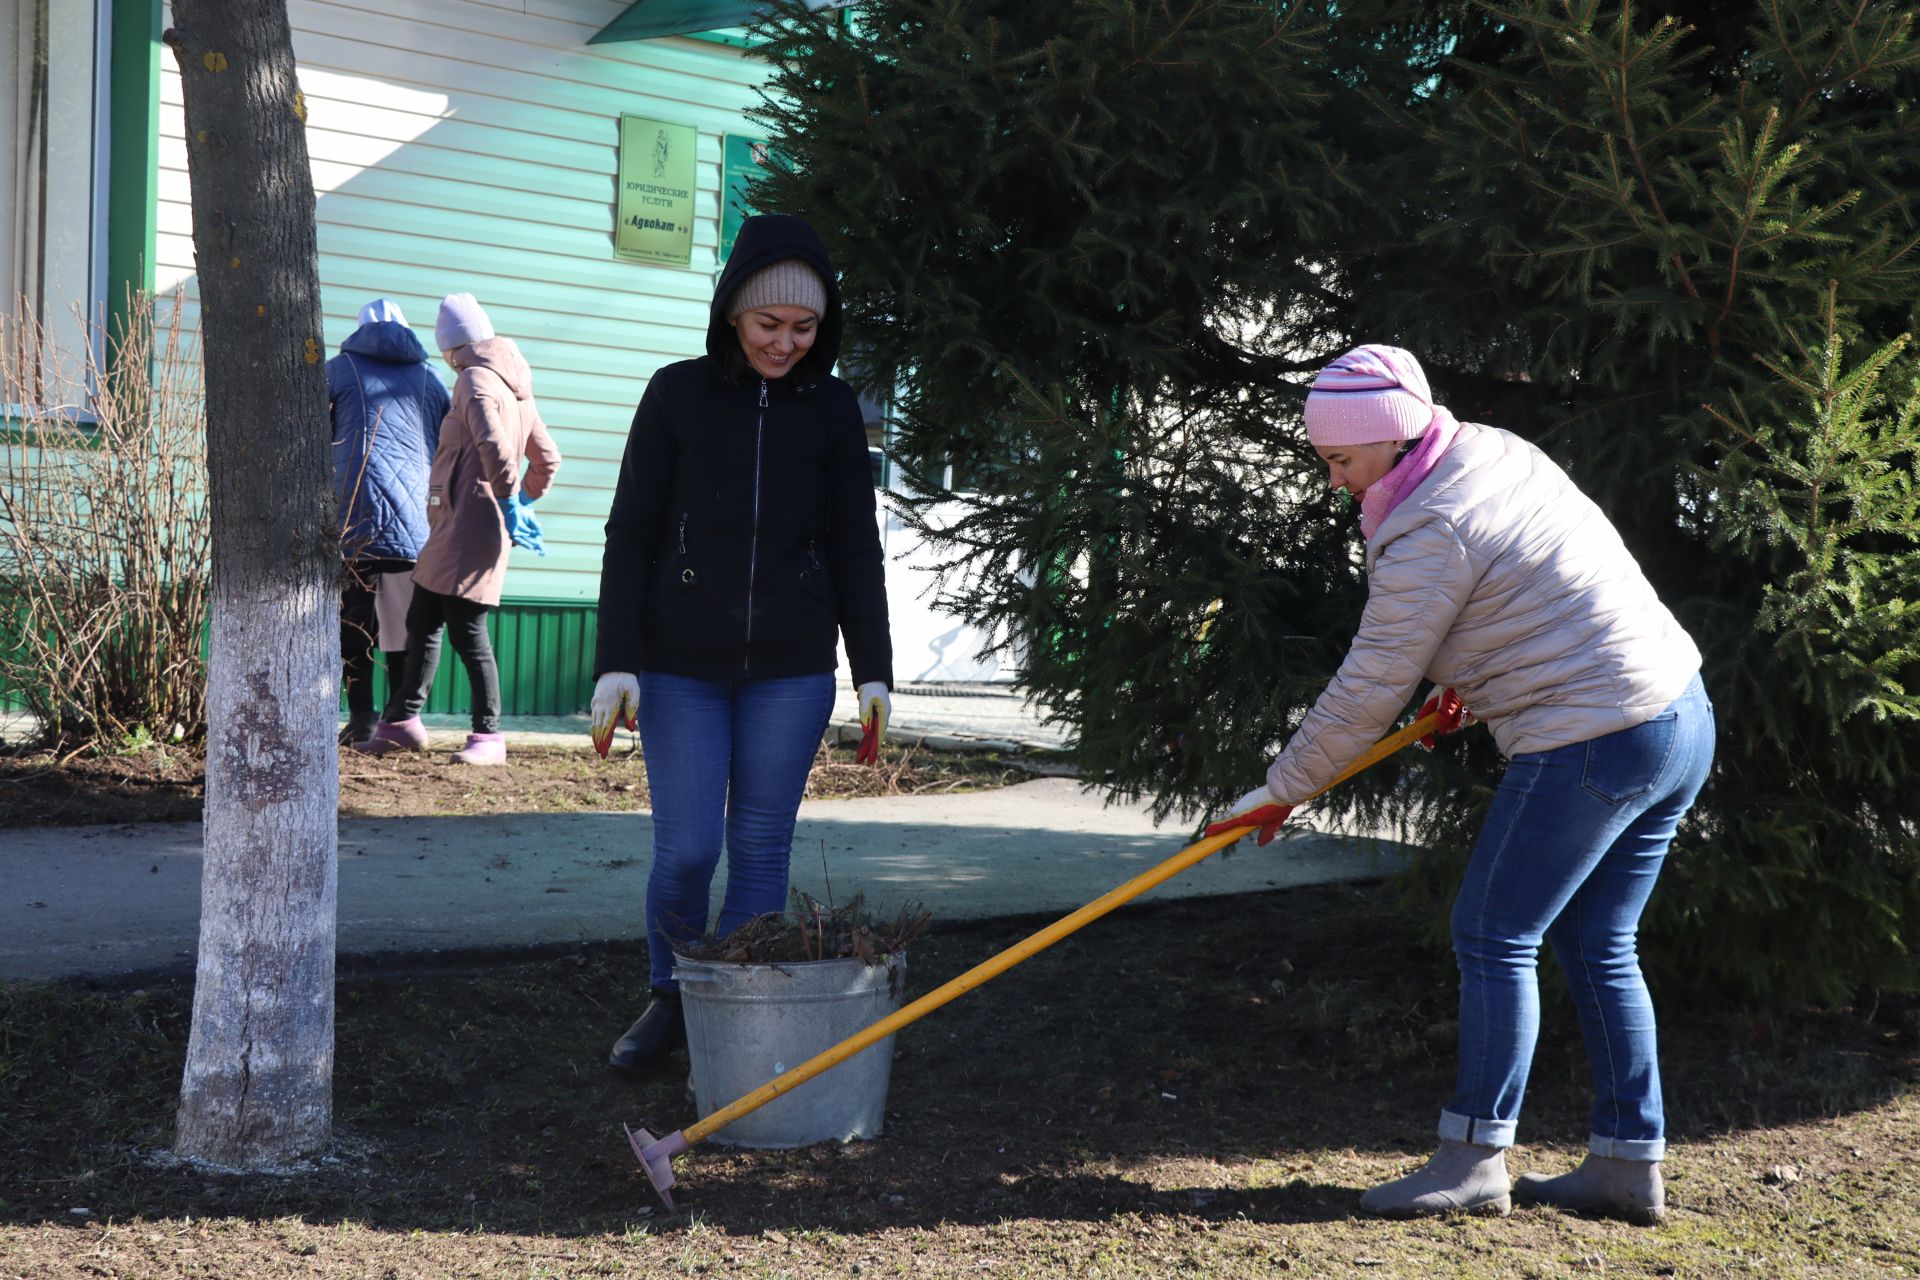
x: 523, y: 527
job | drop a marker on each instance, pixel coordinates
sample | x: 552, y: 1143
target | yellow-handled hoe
x: 656, y: 1154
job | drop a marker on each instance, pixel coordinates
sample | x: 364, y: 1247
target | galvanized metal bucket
x: 747, y: 1023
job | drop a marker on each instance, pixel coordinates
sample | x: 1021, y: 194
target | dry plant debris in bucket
x: 812, y: 930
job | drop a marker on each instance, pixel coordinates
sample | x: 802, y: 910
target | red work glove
x: 1452, y: 715
x: 876, y: 708
x: 616, y: 702
x: 1251, y: 812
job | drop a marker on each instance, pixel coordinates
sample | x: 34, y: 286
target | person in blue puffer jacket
x: 386, y: 406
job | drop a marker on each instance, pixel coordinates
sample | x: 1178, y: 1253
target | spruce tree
x: 1678, y: 223
x: 1071, y: 238
x: 1098, y: 249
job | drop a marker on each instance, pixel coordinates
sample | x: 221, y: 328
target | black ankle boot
x: 660, y: 1030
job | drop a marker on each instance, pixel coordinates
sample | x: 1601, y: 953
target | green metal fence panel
x: 545, y: 652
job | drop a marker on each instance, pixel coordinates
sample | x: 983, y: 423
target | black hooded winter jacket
x: 743, y: 533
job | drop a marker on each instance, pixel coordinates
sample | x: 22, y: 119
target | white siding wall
x: 462, y: 144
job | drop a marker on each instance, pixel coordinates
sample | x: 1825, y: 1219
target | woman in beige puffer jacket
x: 1489, y: 572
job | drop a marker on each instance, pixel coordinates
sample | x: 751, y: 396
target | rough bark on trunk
x: 258, y: 1087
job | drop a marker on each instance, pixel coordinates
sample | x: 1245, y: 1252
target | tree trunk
x: 258, y: 1088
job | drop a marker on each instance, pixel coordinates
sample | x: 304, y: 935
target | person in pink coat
x: 491, y: 431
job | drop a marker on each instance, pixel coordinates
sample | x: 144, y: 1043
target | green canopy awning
x: 645, y: 19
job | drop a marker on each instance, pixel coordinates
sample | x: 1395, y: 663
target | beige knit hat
x: 787, y: 283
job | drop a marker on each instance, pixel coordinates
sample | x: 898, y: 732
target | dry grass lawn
x: 1199, y: 1089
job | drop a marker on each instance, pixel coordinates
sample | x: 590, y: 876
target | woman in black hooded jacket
x: 741, y: 541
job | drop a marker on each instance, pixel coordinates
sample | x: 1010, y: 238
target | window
x: 52, y: 193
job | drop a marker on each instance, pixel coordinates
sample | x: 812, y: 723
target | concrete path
x: 80, y: 901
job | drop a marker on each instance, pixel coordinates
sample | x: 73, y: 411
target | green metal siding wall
x: 430, y: 178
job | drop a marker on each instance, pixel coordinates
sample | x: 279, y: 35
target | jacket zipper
x: 814, y: 556
x: 683, y: 532
x: 753, y: 547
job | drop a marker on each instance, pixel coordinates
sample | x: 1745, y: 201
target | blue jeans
x: 725, y: 759
x: 1570, y: 852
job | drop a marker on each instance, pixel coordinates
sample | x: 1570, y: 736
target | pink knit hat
x: 1371, y: 393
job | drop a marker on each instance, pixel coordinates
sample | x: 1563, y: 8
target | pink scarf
x: 1386, y: 493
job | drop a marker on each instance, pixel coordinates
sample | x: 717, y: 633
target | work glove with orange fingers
x: 1453, y: 716
x: 1256, y: 809
x: 875, y: 709
x: 616, y: 702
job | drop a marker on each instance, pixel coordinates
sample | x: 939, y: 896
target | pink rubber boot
x: 395, y: 735
x: 483, y: 748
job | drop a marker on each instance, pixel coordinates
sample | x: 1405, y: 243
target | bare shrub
x: 104, y: 543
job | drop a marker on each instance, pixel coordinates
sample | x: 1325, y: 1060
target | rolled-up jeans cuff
x: 1623, y: 1149
x: 1481, y: 1133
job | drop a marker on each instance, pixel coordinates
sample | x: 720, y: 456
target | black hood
x: 765, y: 239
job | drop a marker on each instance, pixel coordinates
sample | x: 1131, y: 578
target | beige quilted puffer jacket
x: 1500, y: 578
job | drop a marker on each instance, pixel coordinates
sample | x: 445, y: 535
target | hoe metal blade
x: 656, y: 1157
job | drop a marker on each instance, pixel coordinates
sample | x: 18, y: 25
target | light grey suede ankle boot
x: 1631, y: 1190
x: 1460, y: 1178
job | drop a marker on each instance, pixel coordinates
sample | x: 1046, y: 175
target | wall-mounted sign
x: 654, y: 216
x: 741, y: 160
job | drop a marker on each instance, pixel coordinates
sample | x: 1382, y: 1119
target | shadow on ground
x: 1263, y: 1058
